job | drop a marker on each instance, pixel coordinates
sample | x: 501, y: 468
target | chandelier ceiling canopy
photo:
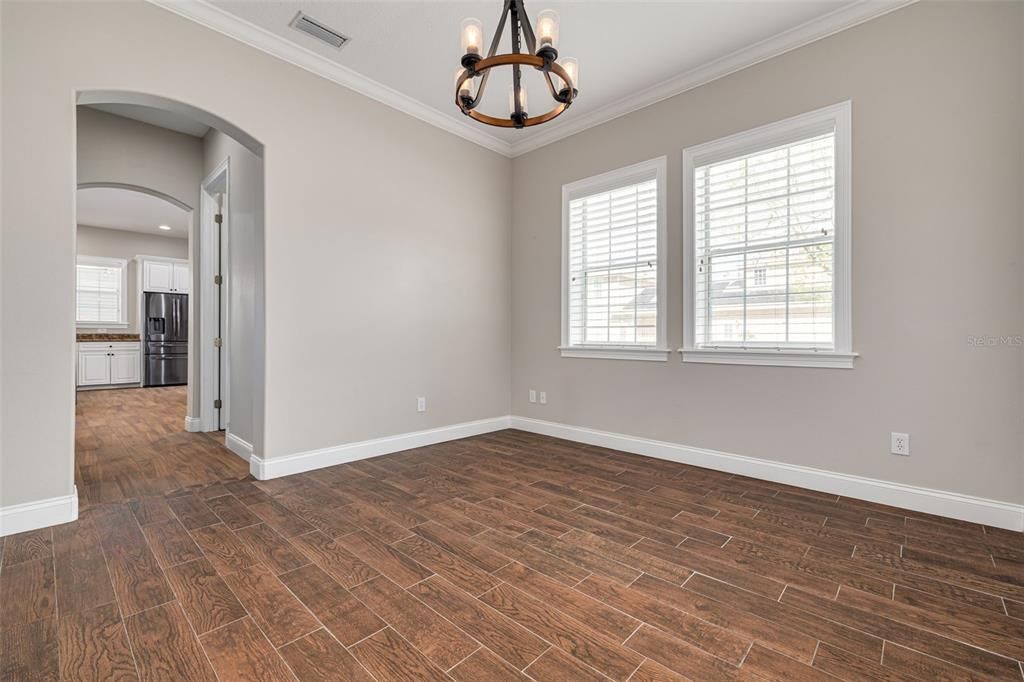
x: 541, y: 55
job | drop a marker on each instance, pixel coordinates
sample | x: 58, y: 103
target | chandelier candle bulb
x: 512, y: 100
x: 472, y: 36
x: 466, y: 89
x: 572, y: 68
x: 547, y: 30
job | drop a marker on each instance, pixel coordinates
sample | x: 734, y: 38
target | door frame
x: 208, y: 291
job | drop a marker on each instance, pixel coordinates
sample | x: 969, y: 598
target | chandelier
x: 541, y: 54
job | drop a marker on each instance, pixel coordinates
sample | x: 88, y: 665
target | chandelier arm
x: 551, y: 85
x: 501, y: 28
x: 517, y: 85
x: 531, y: 40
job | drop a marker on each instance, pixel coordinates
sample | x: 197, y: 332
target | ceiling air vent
x: 311, y: 26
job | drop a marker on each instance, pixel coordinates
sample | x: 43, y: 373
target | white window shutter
x: 613, y: 266
x: 99, y: 294
x: 764, y: 237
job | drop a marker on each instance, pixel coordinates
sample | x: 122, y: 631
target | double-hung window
x: 767, y: 244
x: 100, y: 292
x: 613, y: 264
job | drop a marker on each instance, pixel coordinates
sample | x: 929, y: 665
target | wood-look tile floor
x: 500, y: 557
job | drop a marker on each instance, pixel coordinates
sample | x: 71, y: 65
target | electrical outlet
x: 543, y: 398
x: 901, y: 444
x: 421, y: 404
x: 533, y: 396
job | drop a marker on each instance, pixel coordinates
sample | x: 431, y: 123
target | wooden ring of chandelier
x: 564, y: 97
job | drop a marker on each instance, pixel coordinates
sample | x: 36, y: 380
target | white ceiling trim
x: 822, y: 27
x: 232, y: 26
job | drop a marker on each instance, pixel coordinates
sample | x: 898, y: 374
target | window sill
x: 772, y: 358
x: 616, y: 353
x: 101, y: 325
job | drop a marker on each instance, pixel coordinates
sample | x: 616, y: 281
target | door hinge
x: 216, y: 404
x: 218, y: 218
x: 218, y: 342
x: 218, y: 280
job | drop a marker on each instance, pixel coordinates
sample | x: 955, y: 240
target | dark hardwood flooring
x: 508, y: 556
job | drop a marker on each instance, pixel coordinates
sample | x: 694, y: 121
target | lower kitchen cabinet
x: 103, y: 364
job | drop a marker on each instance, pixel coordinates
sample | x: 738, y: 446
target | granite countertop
x: 106, y: 337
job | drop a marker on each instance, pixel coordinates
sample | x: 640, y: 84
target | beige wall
x: 244, y: 262
x: 938, y: 234
x: 107, y: 243
x: 115, y: 149
x: 385, y: 278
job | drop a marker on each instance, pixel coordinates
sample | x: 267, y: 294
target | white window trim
x: 638, y: 172
x: 109, y: 263
x: 766, y: 137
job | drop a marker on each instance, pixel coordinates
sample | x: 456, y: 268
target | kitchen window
x: 100, y: 292
x: 613, y: 264
x: 767, y: 242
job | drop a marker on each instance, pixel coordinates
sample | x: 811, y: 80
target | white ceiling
x: 156, y: 117
x: 122, y: 209
x: 632, y: 52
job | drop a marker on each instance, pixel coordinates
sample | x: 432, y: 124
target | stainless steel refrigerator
x: 166, y: 339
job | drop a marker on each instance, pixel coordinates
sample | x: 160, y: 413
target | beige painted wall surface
x: 385, y: 278
x: 938, y: 237
x: 117, y: 149
x: 245, y: 230
x: 108, y: 243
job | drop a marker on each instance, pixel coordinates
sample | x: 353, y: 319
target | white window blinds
x: 613, y: 266
x: 99, y: 293
x: 764, y: 236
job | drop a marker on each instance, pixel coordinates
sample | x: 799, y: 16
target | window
x: 613, y: 269
x: 767, y: 240
x: 100, y: 289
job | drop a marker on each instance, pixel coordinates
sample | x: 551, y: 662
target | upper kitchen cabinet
x: 166, y: 276
x: 181, y: 278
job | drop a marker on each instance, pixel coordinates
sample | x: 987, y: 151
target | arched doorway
x: 129, y: 170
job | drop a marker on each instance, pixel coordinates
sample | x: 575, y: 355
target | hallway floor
x: 507, y: 556
x: 132, y: 443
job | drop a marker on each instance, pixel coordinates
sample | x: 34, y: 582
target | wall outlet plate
x: 900, y: 444
x: 533, y: 396
x: 421, y: 404
x: 543, y: 398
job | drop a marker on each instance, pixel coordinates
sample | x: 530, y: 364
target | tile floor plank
x: 165, y: 647
x: 239, y: 651
x: 206, y: 599
x: 271, y: 605
x: 94, y: 646
x: 318, y: 657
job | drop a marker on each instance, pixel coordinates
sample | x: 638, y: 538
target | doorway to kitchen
x: 171, y: 323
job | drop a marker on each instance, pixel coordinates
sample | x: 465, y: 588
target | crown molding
x: 214, y: 18
x: 791, y: 39
x: 228, y: 24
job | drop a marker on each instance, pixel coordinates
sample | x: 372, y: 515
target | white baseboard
x: 264, y: 469
x: 193, y: 424
x: 238, y: 446
x: 953, y: 505
x: 18, y: 518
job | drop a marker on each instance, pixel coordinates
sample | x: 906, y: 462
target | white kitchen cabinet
x: 125, y: 367
x: 93, y: 367
x: 109, y: 363
x: 181, y: 278
x: 157, y: 276
x: 166, y: 276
